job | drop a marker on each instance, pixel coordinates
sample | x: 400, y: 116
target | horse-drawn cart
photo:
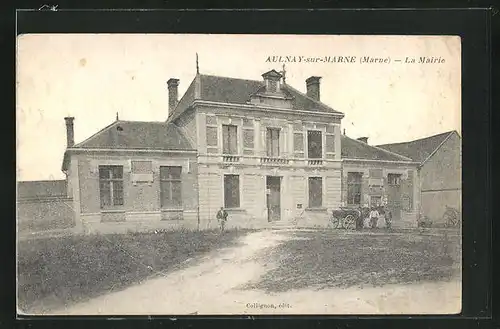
x: 345, y: 218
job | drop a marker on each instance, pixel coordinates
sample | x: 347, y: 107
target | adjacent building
x: 440, y: 171
x: 43, y: 206
x: 266, y: 152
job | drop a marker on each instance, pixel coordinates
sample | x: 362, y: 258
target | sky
x: 93, y: 76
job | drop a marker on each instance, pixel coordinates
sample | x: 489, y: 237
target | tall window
x: 230, y: 139
x: 111, y: 186
x: 314, y: 144
x: 231, y: 191
x: 330, y: 142
x: 273, y: 142
x: 315, y: 192
x: 394, y: 179
x: 354, y: 188
x: 248, y: 137
x: 298, y: 140
x: 212, y: 139
x: 171, y: 187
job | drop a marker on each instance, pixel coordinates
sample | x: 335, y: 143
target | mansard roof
x: 135, y: 135
x: 239, y: 91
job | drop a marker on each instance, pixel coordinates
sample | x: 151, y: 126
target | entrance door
x: 394, y: 195
x: 273, y: 188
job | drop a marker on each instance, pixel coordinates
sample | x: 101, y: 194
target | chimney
x: 172, y: 94
x: 70, y: 132
x: 363, y: 139
x: 312, y: 85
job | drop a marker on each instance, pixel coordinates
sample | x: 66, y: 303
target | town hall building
x: 266, y: 152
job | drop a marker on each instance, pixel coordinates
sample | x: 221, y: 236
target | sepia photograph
x: 218, y: 174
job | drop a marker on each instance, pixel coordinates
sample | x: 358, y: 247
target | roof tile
x: 354, y: 149
x: 238, y: 91
x: 418, y: 150
x: 37, y: 189
x: 138, y: 135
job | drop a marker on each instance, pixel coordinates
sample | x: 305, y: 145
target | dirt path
x: 212, y: 287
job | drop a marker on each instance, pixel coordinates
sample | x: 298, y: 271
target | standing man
x: 359, y: 219
x: 222, y: 218
x: 388, y: 217
x: 374, y: 217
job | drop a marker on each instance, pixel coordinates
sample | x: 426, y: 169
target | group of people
x: 370, y: 217
x: 367, y: 219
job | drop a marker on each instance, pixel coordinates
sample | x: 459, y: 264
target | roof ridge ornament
x: 283, y: 73
x: 197, y: 66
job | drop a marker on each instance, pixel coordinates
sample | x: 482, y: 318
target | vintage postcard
x: 197, y: 174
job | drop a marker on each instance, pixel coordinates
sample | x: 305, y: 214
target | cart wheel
x: 334, y: 222
x: 350, y: 222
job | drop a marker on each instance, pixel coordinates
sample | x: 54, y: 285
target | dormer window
x: 272, y: 86
x: 272, y: 80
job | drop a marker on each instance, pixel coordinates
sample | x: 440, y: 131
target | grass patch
x: 59, y: 271
x: 325, y: 259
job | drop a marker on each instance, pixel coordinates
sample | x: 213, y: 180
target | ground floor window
x: 354, y: 188
x: 171, y: 187
x: 315, y: 192
x: 231, y: 191
x: 375, y: 200
x: 111, y: 186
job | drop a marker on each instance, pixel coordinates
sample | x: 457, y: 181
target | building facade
x: 440, y: 169
x: 264, y: 151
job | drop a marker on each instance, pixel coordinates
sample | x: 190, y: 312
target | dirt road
x: 213, y: 286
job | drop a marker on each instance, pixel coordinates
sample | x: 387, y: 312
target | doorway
x: 273, y: 191
x: 394, y: 195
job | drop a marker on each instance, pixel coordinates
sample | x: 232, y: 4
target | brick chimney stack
x: 312, y: 85
x: 70, y: 131
x: 172, y: 95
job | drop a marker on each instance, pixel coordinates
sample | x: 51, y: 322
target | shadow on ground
x: 55, y: 272
x: 326, y: 259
